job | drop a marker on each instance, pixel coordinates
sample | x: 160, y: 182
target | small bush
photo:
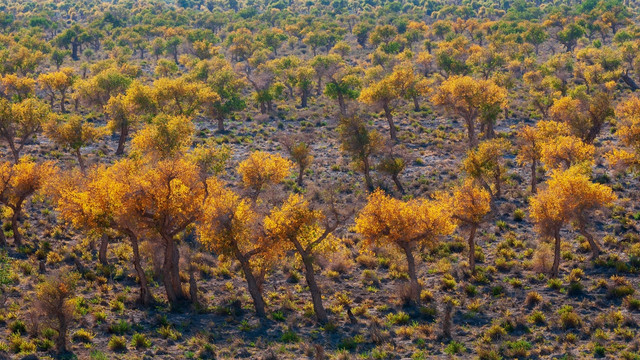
x: 140, y: 341
x: 117, y: 343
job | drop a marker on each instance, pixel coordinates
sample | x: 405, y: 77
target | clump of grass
x: 117, y: 344
x: 140, y: 341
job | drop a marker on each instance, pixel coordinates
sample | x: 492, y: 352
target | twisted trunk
x: 124, y: 132
x: 556, y: 255
x: 252, y: 285
x: 392, y: 126
x: 595, y: 248
x: 145, y: 293
x: 316, y: 295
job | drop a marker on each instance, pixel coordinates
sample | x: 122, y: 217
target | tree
x: 96, y: 202
x: 296, y: 227
x: 585, y: 115
x: 407, y: 225
x: 393, y: 165
x: 58, y: 56
x: 565, y: 151
x: 536, y: 36
x: 360, y: 143
x: 300, y: 153
x: 74, y: 36
x: 343, y: 84
x: 228, y: 227
x: 383, y: 94
x: 17, y: 183
x: 19, y: 122
x: 470, y: 99
x: 628, y: 131
x: 569, y: 36
x: 469, y: 204
x: 57, y: 82
x: 224, y: 81
x: 55, y: 300
x: 128, y: 110
x: 486, y: 165
x: 164, y: 137
x: 569, y: 196
x: 261, y: 170
x: 72, y: 132
x: 180, y: 96
x: 17, y: 87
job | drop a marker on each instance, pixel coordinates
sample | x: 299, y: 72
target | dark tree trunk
x: 413, y: 277
x: 534, y: 180
x: 171, y: 274
x: 595, y: 248
x: 471, y: 133
x: 316, y: 295
x: 396, y: 180
x: 392, y: 126
x: 124, y: 132
x: 300, y: 181
x: 303, y: 99
x: 341, y: 103
x: 472, y: 248
x: 630, y: 82
x: 104, y: 245
x: 145, y: 293
x: 556, y: 256
x: 416, y: 104
x: 14, y: 150
x: 252, y: 285
x: 3, y: 238
x: 83, y: 167
x: 367, y: 174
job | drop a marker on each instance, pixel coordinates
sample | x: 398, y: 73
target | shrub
x: 289, y: 336
x: 533, y: 298
x: 398, y: 318
x: 140, y: 341
x: 117, y: 343
x: 82, y: 335
x: 454, y: 347
x: 569, y: 319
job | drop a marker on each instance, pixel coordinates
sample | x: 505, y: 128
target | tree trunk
x: 220, y: 124
x: 341, y: 103
x: 490, y: 133
x: 471, y: 133
x: 316, y: 295
x: 556, y: 256
x: 124, y: 132
x: 392, y: 126
x: 252, y: 285
x: 534, y: 180
x: 416, y: 104
x: 472, y: 248
x: 3, y: 238
x: 396, y: 180
x: 367, y: 176
x: 145, y: 293
x: 15, y: 225
x: 83, y: 167
x: 630, y: 82
x: 171, y: 279
x: 104, y: 245
x: 595, y: 248
x: 14, y: 150
x: 303, y: 100
x: 299, y: 181
x: 61, y: 341
x: 63, y: 98
x: 413, y: 277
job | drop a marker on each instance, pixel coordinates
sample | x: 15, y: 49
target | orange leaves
x: 569, y: 195
x: 466, y: 96
x: 227, y: 222
x: 262, y: 169
x: 389, y: 221
x: 469, y: 203
x: 19, y: 181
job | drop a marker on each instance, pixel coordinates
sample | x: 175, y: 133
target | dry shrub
x: 542, y: 261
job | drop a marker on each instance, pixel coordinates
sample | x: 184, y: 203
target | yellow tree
x: 16, y: 86
x: 57, y: 82
x: 628, y: 131
x: 228, y: 226
x: 300, y: 153
x: 486, y: 164
x: 19, y: 122
x: 407, y: 225
x: 296, y: 227
x: 261, y: 170
x: 180, y: 96
x: 72, y: 132
x: 471, y: 100
x: 17, y: 183
x: 585, y: 115
x: 127, y: 110
x: 95, y: 202
x: 569, y: 196
x: 565, y: 151
x: 532, y: 139
x: 469, y: 204
x: 166, y: 136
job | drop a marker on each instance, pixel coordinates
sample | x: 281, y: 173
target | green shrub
x: 117, y: 343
